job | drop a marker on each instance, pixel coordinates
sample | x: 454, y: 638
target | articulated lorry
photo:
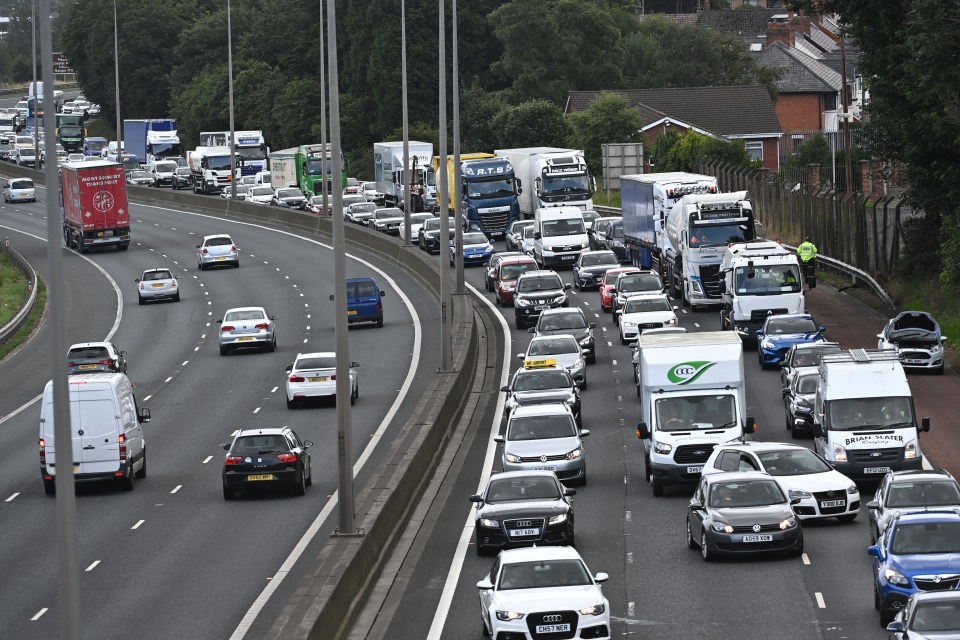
x: 693, y: 394
x: 391, y: 178
x: 646, y: 200
x: 699, y: 228
x: 210, y: 168
x: 760, y: 278
x: 251, y: 148
x: 70, y: 132
x: 151, y: 140
x: 554, y: 178
x: 93, y: 205
x: 489, y: 192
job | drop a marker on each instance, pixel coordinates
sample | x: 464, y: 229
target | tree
x: 693, y: 147
x: 480, y: 116
x: 201, y: 105
x: 533, y: 123
x: 609, y: 118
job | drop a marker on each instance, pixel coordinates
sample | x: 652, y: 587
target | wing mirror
x: 751, y: 426
x: 143, y: 415
x: 226, y: 446
x: 643, y: 431
x: 476, y: 498
x: 532, y: 330
x: 499, y: 439
x: 925, y: 424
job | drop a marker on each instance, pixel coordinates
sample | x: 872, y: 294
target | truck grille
x: 552, y: 617
x: 759, y: 315
x: 875, y: 456
x: 693, y: 453
x: 710, y: 279
x: 936, y: 583
x: 494, y: 222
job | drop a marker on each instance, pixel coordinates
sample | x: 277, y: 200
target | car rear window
x: 260, y: 444
x: 233, y: 316
x: 326, y: 362
x: 21, y: 184
x: 361, y: 289
x: 88, y: 352
x: 219, y: 242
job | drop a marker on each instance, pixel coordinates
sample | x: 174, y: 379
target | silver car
x: 361, y: 212
x: 545, y: 437
x: 557, y: 350
x: 157, y: 284
x: 314, y: 375
x: 244, y: 327
x: 217, y: 250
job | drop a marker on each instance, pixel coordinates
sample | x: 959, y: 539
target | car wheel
x: 939, y: 370
x: 691, y: 543
x: 300, y: 487
x: 140, y: 300
x: 142, y: 473
x: 657, y: 488
x: 876, y: 597
x: 223, y: 351
x: 623, y: 340
x: 353, y: 398
x: 519, y: 324
x: 176, y: 298
x: 50, y: 487
x: 886, y: 617
x: 583, y: 387
x: 380, y: 322
x: 309, y: 481
x: 201, y: 266
x: 593, y: 358
x: 228, y: 493
x: 705, y: 548
x: 273, y: 345
x: 848, y: 517
x: 797, y: 551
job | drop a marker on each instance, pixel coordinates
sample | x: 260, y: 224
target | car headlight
x: 839, y: 453
x: 852, y: 489
x: 670, y: 322
x: 488, y: 249
x: 578, y: 364
x: 910, y: 450
x: 522, y: 302
x: 596, y: 610
x: 507, y: 286
x: 799, y: 493
x: 766, y: 344
x: 662, y: 447
x: 936, y: 348
x: 721, y: 527
x: 576, y: 454
x: 487, y: 522
x: 697, y: 289
x: 557, y: 519
x: 511, y: 458
x: 895, y: 577
x: 506, y: 616
x: 586, y: 341
x: 627, y: 323
x: 789, y: 523
x: 585, y: 245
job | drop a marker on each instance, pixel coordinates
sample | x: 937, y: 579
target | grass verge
x: 600, y: 198
x: 13, y: 289
x: 33, y: 321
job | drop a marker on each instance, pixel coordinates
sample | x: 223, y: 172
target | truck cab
x: 489, y: 193
x: 559, y: 236
x: 864, y: 422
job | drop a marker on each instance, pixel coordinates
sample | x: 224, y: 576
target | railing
x: 8, y: 330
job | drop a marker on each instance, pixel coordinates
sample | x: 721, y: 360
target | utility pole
x: 446, y: 338
x: 848, y: 170
x: 457, y: 205
x: 325, y: 184
x: 233, y: 132
x: 116, y: 80
x: 407, y: 173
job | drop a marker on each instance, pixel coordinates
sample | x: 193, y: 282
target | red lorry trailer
x: 93, y: 199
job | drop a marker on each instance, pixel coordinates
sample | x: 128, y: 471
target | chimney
x: 779, y: 32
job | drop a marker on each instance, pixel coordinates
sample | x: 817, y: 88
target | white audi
x: 543, y: 592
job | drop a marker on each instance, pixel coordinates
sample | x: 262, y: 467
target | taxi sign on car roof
x: 539, y: 363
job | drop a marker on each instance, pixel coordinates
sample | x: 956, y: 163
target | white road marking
x: 604, y: 329
x: 614, y: 362
x: 820, y: 602
x: 805, y: 558
x: 301, y: 295
x: 696, y: 324
x: 196, y: 348
x: 628, y: 516
x: 630, y: 557
x: 176, y: 488
x: 631, y: 609
x: 308, y: 316
x: 257, y: 410
x: 184, y: 363
x: 609, y: 344
x: 38, y: 614
x: 274, y: 390
x: 619, y: 398
x: 625, y: 479
x: 308, y: 327
x: 12, y: 497
x: 208, y: 458
x: 305, y: 340
x: 287, y: 277
x: 168, y: 379
x: 306, y: 304
x: 137, y: 526
x: 92, y: 566
x: 147, y: 398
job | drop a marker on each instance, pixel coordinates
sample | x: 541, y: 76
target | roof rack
x: 861, y: 356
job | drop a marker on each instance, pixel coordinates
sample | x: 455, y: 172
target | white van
x: 108, y: 440
x: 559, y: 236
x: 263, y: 177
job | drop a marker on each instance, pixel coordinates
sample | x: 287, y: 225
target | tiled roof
x: 803, y: 74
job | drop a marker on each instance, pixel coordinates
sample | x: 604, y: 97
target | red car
x: 508, y: 271
x: 606, y: 289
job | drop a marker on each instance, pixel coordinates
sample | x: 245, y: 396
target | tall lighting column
x: 116, y: 78
x: 407, y: 174
x: 325, y: 184
x: 346, y: 525
x: 34, y: 93
x: 233, y: 132
x: 457, y: 205
x: 446, y: 340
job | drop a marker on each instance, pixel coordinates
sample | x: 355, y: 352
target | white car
x: 314, y: 375
x: 369, y: 191
x: 244, y: 327
x: 157, y: 284
x: 649, y: 311
x: 77, y: 157
x: 526, y: 242
x: 24, y: 155
x: 349, y: 199
x: 823, y: 491
x: 219, y: 249
x: 544, y: 591
x: 416, y: 221
x: 557, y: 350
x: 19, y: 190
x: 260, y: 194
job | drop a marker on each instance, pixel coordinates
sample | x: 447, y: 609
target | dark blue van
x: 364, y: 301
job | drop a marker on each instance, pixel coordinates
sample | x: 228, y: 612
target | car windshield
x: 928, y: 493
x: 763, y: 280
x: 646, y: 305
x: 612, y: 276
x: 529, y: 488
x: 926, y: 537
x: 513, y: 271
x: 938, y: 615
x: 617, y: 231
x: 518, y: 227
x: 528, y: 233
x: 552, y: 346
x: 870, y: 413
x: 352, y: 199
x: 431, y: 225
x: 539, y: 283
x: 562, y: 227
x: 792, y: 462
x: 807, y: 385
x: 590, y: 216
x: 250, y: 445
x: 753, y: 493
x: 366, y: 207
x: 474, y: 238
x: 289, y: 193
x: 361, y: 289
x: 419, y: 218
x: 594, y: 259
x: 558, y: 425
x: 691, y: 413
x: 542, y: 380
x: 790, y: 325
x: 315, y: 362
x: 383, y: 214
x: 139, y: 174
x: 218, y: 242
x: 810, y: 357
x: 157, y: 275
x: 165, y: 167
x: 251, y: 314
x: 544, y: 573
x: 261, y: 191
x: 556, y: 321
x: 640, y: 282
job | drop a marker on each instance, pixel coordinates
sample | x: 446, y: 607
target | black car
x: 428, y: 237
x: 571, y: 321
x: 591, y: 266
x: 541, y: 386
x: 597, y: 232
x: 798, y: 401
x: 906, y: 491
x: 536, y: 291
x: 289, y: 198
x: 265, y: 458
x: 182, y: 178
x: 613, y: 239
x: 522, y: 508
x: 90, y: 357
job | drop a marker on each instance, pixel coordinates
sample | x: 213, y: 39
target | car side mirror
x: 584, y: 433
x: 567, y: 287
x: 289, y: 368
x: 485, y: 585
x: 476, y: 499
x: 675, y: 307
x: 198, y: 246
x: 880, y: 336
x: 532, y: 330
x: 520, y: 356
x: 383, y: 293
x: 307, y: 444
x: 273, y: 317
x: 137, y: 280
x: 643, y: 431
x: 785, y: 391
x: 751, y: 426
x: 875, y: 551
x: 499, y: 439
x: 613, y: 289
x: 536, y: 235
x: 822, y: 328
x: 219, y: 321
x: 592, y: 325
x: 331, y: 297
x: 895, y: 627
x: 601, y: 577
x: 226, y: 446
x: 873, y: 504
x: 354, y: 365
x: 943, y: 339
x: 143, y: 415
x: 760, y: 333
x: 569, y: 492
x: 505, y: 388
x: 925, y: 424
x: 695, y: 505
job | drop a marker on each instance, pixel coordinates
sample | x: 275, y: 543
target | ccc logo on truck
x: 687, y: 372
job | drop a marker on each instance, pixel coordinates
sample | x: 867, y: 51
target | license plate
x: 157, y: 285
x: 912, y: 361
x: 221, y: 258
x: 351, y: 312
x: 88, y: 366
x: 833, y: 503
x: 260, y: 476
x: 694, y: 469
x: 76, y: 468
x: 763, y: 537
x: 245, y: 339
x: 323, y: 379
x: 568, y: 257
x: 544, y: 468
x: 876, y: 470
x: 524, y: 532
x: 541, y: 307
x: 553, y: 628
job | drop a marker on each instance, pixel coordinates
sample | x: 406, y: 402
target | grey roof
x: 741, y: 23
x: 803, y: 74
x: 726, y: 111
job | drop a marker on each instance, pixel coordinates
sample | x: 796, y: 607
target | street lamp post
x: 457, y: 205
x: 407, y: 174
x: 116, y: 79
x: 325, y: 184
x: 446, y: 339
x: 33, y: 93
x: 233, y: 133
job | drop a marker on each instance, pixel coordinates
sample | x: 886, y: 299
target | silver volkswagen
x: 244, y: 327
x: 217, y: 250
x: 545, y: 437
x: 157, y: 284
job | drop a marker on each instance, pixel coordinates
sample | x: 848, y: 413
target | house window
x: 830, y: 102
x: 755, y: 149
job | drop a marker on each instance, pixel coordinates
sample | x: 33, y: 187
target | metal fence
x: 11, y: 328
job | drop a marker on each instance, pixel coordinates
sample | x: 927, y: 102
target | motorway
x: 658, y: 587
x: 172, y: 559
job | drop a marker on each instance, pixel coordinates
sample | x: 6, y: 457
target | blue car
x: 780, y: 332
x: 476, y: 249
x: 918, y: 551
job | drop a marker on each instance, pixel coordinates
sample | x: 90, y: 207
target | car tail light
x: 296, y: 378
x: 227, y: 327
x: 287, y: 457
x: 261, y: 325
x: 233, y: 460
x: 108, y: 362
x: 233, y: 248
x: 333, y: 377
x: 174, y: 284
x: 379, y: 307
x: 71, y: 364
x: 205, y: 250
x: 123, y: 447
x: 43, y: 452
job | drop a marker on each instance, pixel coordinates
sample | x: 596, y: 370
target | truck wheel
x: 657, y: 489
x: 49, y: 487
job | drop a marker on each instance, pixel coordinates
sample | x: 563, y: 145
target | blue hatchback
x: 364, y: 302
x: 780, y: 332
x: 476, y: 249
x: 917, y: 552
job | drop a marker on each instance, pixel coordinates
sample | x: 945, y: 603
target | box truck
x: 391, y: 178
x: 553, y: 177
x: 93, y: 205
x: 151, y: 139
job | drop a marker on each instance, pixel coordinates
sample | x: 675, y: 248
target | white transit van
x: 108, y: 441
x: 864, y: 424
x: 559, y: 236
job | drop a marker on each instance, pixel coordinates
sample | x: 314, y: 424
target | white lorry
x: 693, y: 394
x: 559, y: 235
x: 760, y: 278
x: 210, y: 167
x: 283, y: 168
x: 699, y: 228
x: 252, y: 150
x: 390, y: 175
x: 553, y: 177
x: 863, y: 418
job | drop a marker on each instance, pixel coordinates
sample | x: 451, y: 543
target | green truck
x: 70, y: 132
x: 302, y: 167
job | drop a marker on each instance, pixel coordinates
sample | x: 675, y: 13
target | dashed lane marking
x: 137, y: 526
x: 37, y: 615
x: 92, y: 566
x: 805, y: 558
x: 208, y: 459
x: 12, y: 497
x: 820, y: 602
x: 176, y: 488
